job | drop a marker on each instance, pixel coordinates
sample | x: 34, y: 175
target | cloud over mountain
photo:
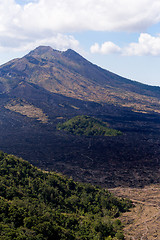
x: 44, y: 20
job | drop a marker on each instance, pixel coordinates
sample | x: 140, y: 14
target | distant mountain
x: 48, y: 87
x: 71, y: 75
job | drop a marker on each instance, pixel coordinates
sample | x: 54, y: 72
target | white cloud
x: 69, y: 15
x: 23, y: 27
x: 57, y: 41
x: 105, y: 48
x: 102, y: 15
x: 146, y: 45
x: 50, y: 20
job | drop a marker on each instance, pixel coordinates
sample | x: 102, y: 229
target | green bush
x: 88, y: 126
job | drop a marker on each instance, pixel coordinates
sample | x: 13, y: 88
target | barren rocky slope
x: 71, y: 75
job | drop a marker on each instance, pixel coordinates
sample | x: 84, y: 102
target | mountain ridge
x: 71, y: 75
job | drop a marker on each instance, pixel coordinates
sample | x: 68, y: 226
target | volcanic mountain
x: 47, y: 87
x: 71, y: 75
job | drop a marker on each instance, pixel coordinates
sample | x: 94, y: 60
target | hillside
x: 41, y: 205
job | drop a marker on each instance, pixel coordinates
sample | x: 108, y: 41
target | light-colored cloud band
x: 146, y: 45
x: 50, y: 21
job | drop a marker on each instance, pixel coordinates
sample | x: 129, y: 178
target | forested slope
x: 38, y: 205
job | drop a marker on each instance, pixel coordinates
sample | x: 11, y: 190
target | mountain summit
x: 71, y: 75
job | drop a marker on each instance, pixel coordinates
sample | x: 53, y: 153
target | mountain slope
x: 40, y: 205
x: 44, y: 88
x: 71, y: 75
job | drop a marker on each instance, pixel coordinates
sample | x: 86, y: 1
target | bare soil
x: 142, y: 222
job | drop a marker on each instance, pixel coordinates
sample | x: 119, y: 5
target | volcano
x: 47, y: 87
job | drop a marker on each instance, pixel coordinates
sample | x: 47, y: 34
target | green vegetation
x: 37, y: 205
x: 89, y: 126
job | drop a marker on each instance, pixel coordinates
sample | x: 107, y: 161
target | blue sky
x: 122, y: 36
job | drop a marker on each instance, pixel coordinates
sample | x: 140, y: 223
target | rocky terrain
x: 47, y: 87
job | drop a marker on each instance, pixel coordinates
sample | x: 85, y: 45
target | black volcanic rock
x: 61, y: 85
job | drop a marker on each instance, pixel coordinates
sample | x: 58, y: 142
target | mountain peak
x: 49, y: 52
x: 73, y: 55
x: 43, y: 51
x: 70, y: 74
x: 70, y: 52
